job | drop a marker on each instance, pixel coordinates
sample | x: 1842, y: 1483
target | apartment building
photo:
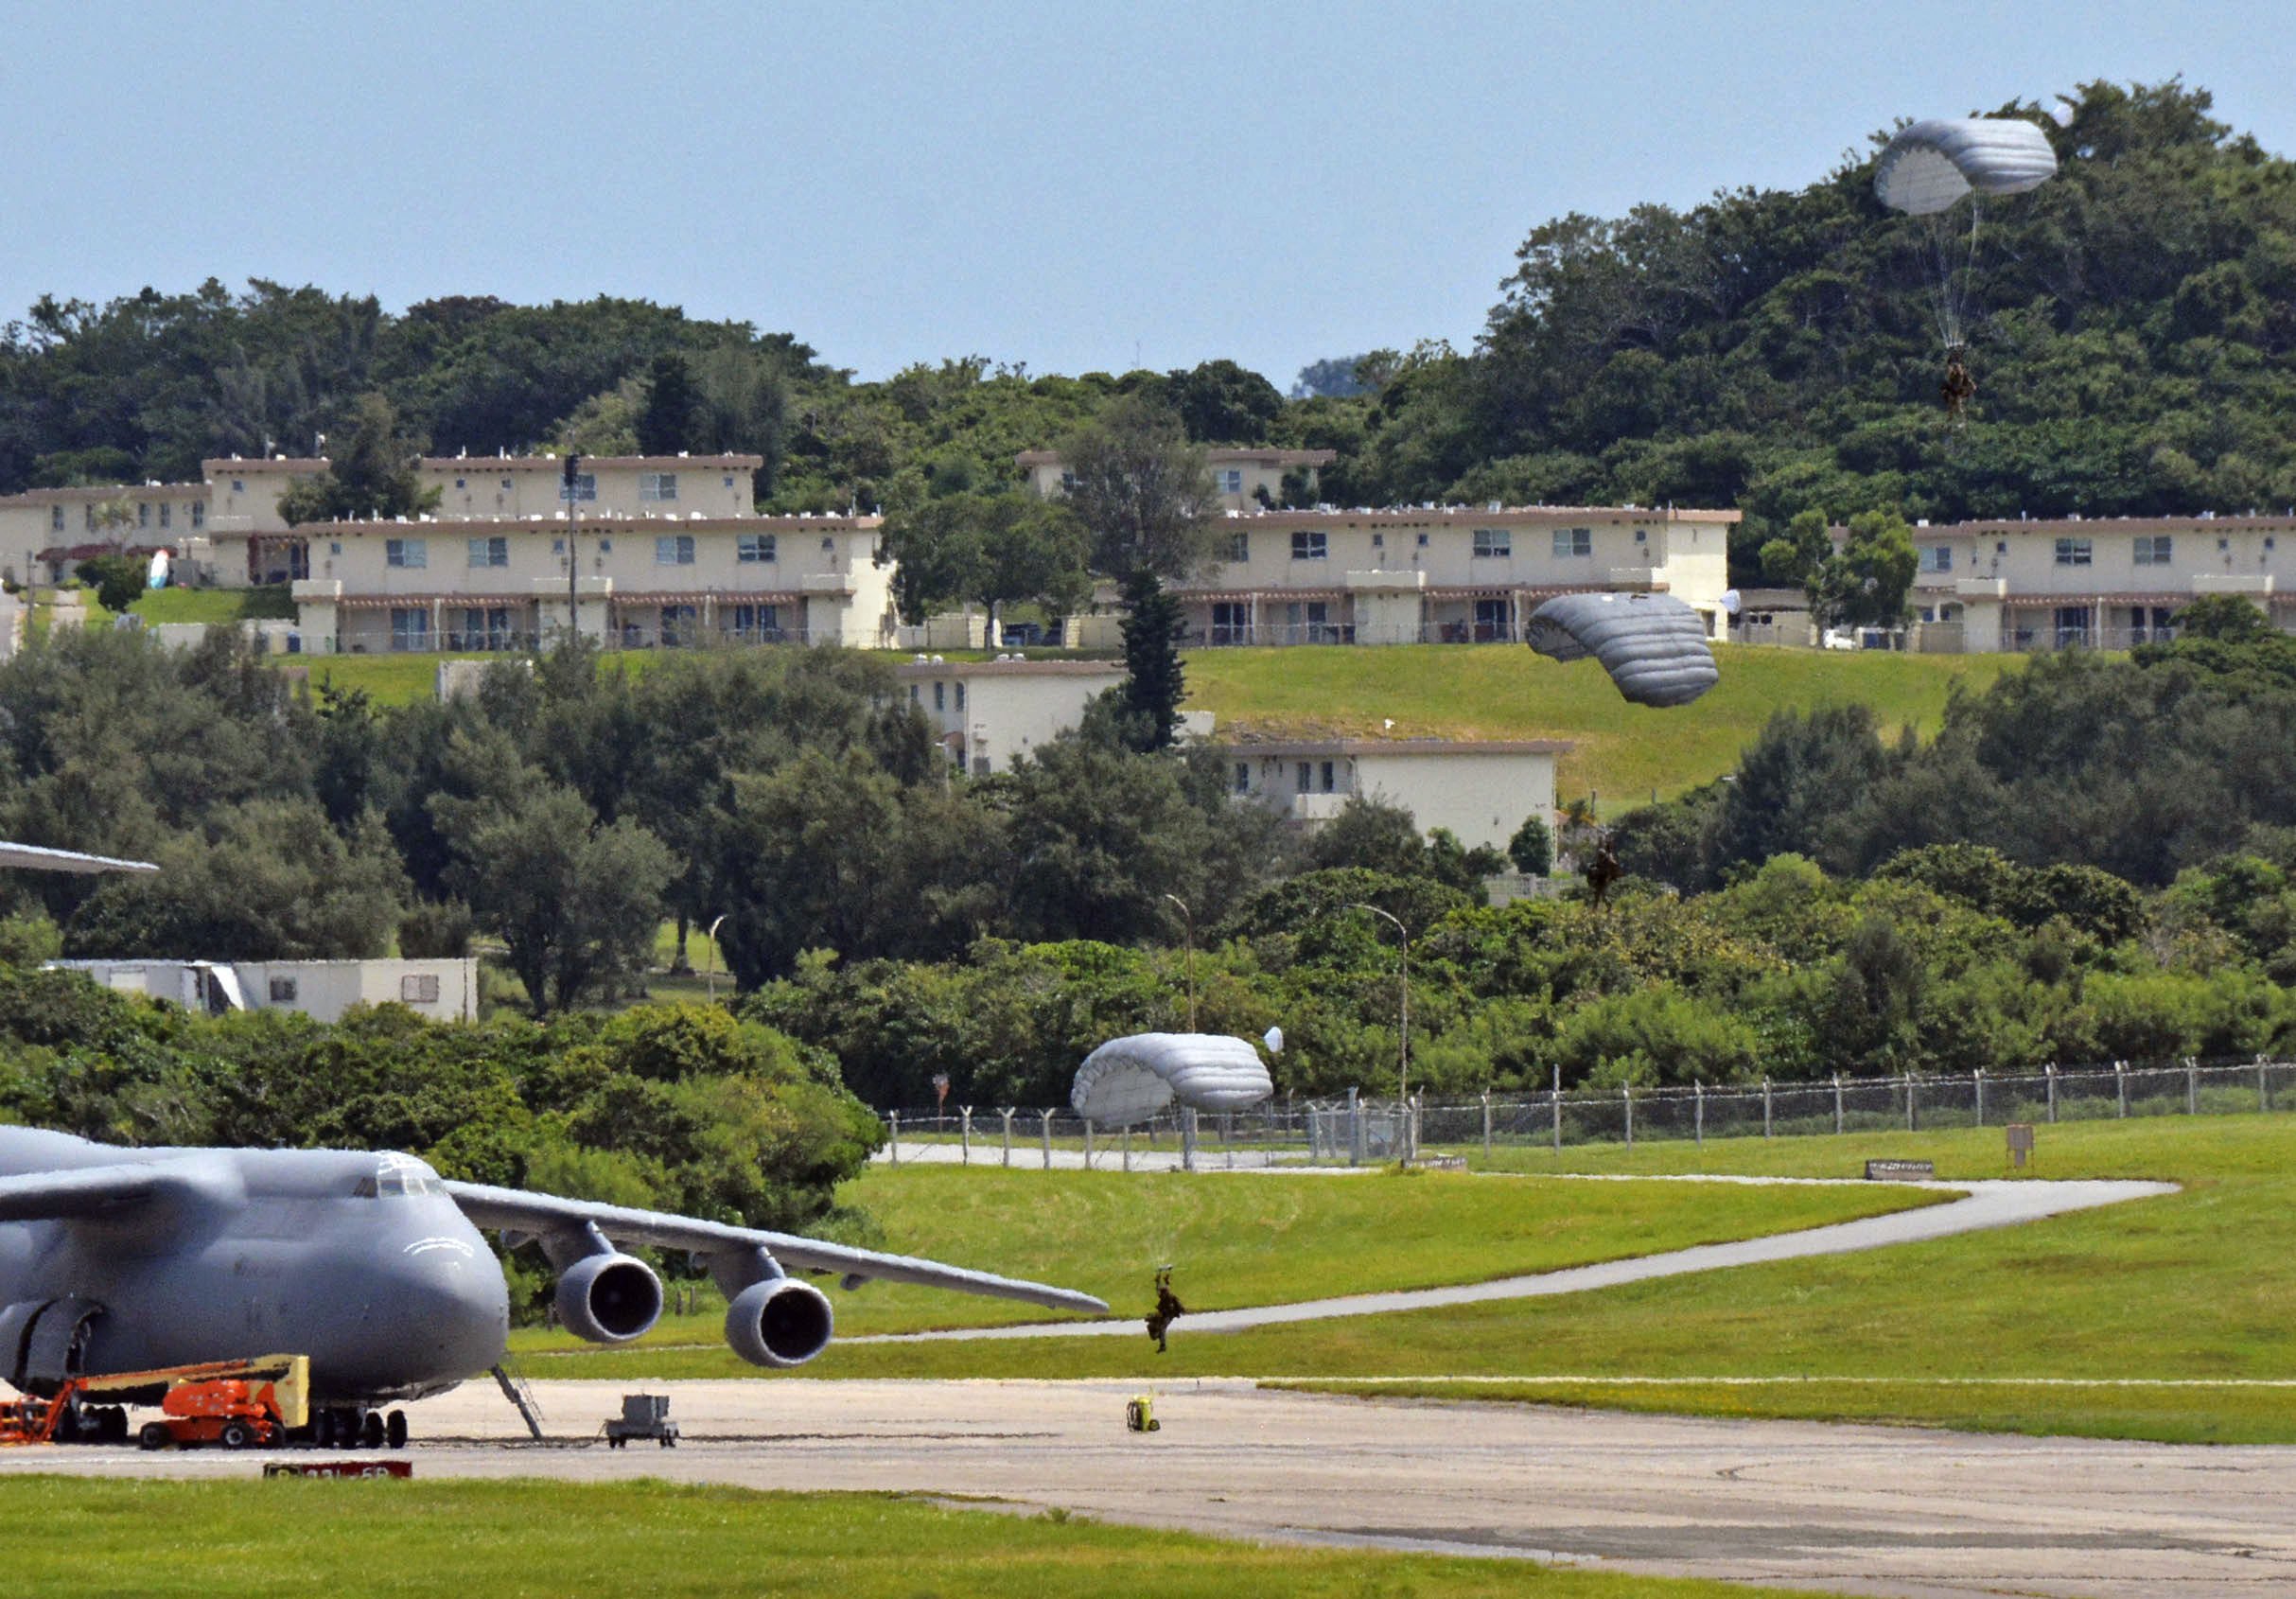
x: 1441, y: 574
x: 47, y: 531
x: 989, y: 713
x: 1481, y: 790
x: 1246, y: 479
x: 2027, y: 585
x: 640, y: 581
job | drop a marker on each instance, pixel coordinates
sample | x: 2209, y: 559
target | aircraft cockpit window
x: 391, y: 1184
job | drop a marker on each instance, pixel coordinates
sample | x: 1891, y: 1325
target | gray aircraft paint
x: 367, y: 1263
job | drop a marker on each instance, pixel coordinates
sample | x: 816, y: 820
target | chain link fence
x: 1357, y: 1131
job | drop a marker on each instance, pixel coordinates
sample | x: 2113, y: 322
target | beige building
x: 45, y: 532
x: 1481, y: 791
x: 443, y: 990
x: 1444, y: 574
x: 989, y: 713
x: 1985, y: 586
x: 1246, y: 479
x: 640, y: 581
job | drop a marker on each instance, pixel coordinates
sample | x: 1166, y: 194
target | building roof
x: 2058, y: 527
x: 1475, y: 516
x: 1218, y: 454
x: 601, y: 521
x: 1251, y: 745
x: 1010, y: 668
x: 557, y: 463
x: 248, y: 467
x: 95, y: 494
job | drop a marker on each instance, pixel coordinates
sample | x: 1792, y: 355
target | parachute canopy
x: 1130, y: 1080
x: 1932, y: 164
x: 1653, y: 645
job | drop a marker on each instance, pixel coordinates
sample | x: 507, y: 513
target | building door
x: 1493, y: 625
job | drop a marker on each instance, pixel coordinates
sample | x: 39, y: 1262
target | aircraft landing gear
x: 395, y: 1429
x: 355, y: 1427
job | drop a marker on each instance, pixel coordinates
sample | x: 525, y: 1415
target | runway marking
x: 1583, y: 1380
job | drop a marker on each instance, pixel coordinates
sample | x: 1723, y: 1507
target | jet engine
x: 780, y: 1323
x: 608, y: 1298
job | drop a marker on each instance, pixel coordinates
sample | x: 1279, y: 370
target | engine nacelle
x: 609, y: 1298
x: 780, y: 1323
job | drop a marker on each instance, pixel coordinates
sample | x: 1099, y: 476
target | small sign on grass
x: 1900, y: 1170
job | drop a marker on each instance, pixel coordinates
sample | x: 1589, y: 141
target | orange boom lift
x: 238, y: 1404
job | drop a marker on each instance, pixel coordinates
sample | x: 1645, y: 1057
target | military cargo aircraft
x: 128, y: 1260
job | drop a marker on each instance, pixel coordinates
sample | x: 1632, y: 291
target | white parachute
x: 1940, y: 168
x: 1653, y: 645
x: 1130, y: 1080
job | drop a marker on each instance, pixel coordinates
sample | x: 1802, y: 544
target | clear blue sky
x: 1073, y: 186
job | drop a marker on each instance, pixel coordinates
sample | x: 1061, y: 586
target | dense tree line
x: 1772, y: 350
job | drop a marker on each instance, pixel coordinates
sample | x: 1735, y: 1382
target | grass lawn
x: 1505, y: 691
x: 1250, y: 1239
x: 2171, y: 1295
x: 75, y: 1537
x: 215, y: 606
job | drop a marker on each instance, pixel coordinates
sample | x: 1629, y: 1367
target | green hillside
x: 1625, y: 752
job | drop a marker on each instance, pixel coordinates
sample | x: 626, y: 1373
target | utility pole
x: 574, y: 598
x: 1188, y: 917
x: 1403, y: 976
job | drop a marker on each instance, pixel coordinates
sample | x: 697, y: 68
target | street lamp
x: 1189, y: 921
x: 1403, y: 976
x: 709, y: 959
x: 573, y: 596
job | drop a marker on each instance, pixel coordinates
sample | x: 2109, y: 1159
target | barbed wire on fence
x: 1356, y: 1129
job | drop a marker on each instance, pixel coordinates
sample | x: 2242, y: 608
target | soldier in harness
x: 1168, y: 1309
x: 1959, y: 387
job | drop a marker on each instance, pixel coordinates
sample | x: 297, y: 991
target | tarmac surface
x: 1844, y: 1509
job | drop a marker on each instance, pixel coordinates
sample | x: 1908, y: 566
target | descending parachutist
x: 1959, y: 387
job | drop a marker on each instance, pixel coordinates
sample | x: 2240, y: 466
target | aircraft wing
x: 83, y: 1191
x: 518, y: 1211
x: 32, y: 857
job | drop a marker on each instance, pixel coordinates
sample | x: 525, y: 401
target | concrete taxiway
x: 1850, y: 1509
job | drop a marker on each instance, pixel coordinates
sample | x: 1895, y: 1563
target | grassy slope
x: 84, y: 1538
x: 1488, y: 690
x: 1250, y: 1239
x: 2192, y: 1287
x: 1504, y: 690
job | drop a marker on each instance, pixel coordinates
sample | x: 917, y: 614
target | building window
x: 282, y: 991
x: 757, y: 622
x: 678, y: 625
x: 490, y: 552
x: 462, y: 482
x: 87, y: 518
x: 960, y: 696
x: 1328, y: 775
x: 143, y: 513
x: 1936, y: 557
x: 167, y: 512
x: 198, y: 513
x: 753, y: 549
x: 1243, y: 776
x: 1378, y: 541
x: 1231, y: 481
x: 1308, y: 546
x: 829, y: 546
x: 586, y: 486
x: 239, y: 485
x: 1574, y: 542
x: 941, y: 694
x: 418, y: 988
x: 1494, y: 542
x: 406, y: 552
x: 729, y: 479
x: 2154, y: 550
x: 334, y: 546
x: 56, y: 518
x: 1302, y: 776
x: 1230, y: 621
x: 2073, y: 552
x: 658, y: 485
x: 675, y: 550
x: 1423, y: 541
x: 606, y: 546
x: 410, y: 629
x: 1240, y: 547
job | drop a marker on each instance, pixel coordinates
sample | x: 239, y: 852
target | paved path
x: 1851, y: 1510
x: 1982, y: 1205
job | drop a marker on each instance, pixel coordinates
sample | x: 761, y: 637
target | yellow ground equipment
x: 1140, y: 1414
x: 235, y: 1403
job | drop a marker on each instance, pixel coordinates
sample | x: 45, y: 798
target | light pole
x: 574, y: 598
x: 1188, y: 917
x: 709, y: 957
x: 1403, y: 976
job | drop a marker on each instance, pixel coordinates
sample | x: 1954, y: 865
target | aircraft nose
x: 449, y: 1307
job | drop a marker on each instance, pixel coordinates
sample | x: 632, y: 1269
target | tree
x: 992, y: 550
x: 1866, y: 582
x: 1141, y: 490
x: 2231, y: 619
x: 1370, y: 834
x: 1532, y: 848
x: 577, y: 904
x: 665, y: 421
x: 1156, y: 681
x: 1335, y: 378
x: 118, y: 580
x: 1798, y: 556
x: 371, y: 474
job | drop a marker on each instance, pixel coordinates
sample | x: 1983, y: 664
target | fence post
x: 2051, y: 1070
x: 2264, y: 1092
x: 1486, y: 1123
x: 1555, y: 1101
x: 1698, y: 1113
x: 2192, y: 1086
x: 1227, y: 1137
x: 1629, y: 1091
x: 1128, y: 1146
x: 1837, y: 1102
x: 1979, y: 1075
x: 964, y: 1132
x: 1007, y: 1113
x: 1766, y: 1107
x: 1087, y: 1143
x: 893, y: 1118
x: 2120, y: 1085
x: 1046, y: 1117
x: 1910, y: 1123
x: 1187, y: 1138
x: 1355, y: 1128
